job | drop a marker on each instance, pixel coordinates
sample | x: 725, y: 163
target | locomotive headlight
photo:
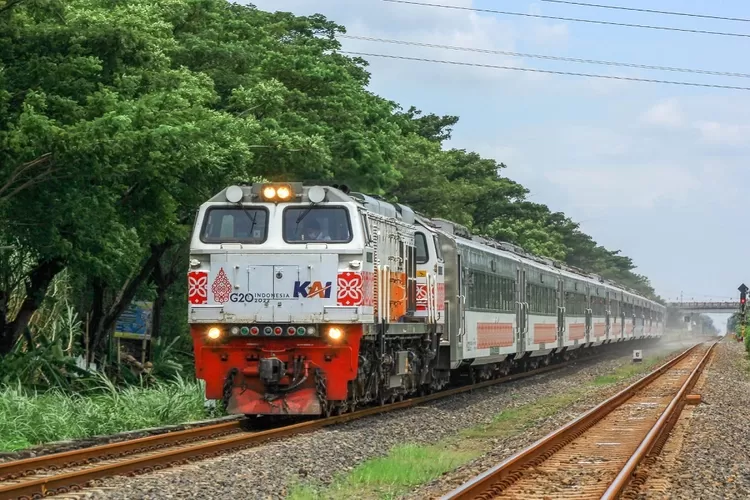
x: 335, y: 333
x: 283, y: 193
x: 214, y: 333
x: 269, y: 192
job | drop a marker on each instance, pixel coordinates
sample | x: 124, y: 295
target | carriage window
x: 235, y: 225
x: 324, y: 224
x: 422, y: 253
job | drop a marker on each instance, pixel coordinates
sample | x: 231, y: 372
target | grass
x: 626, y: 371
x: 403, y: 468
x: 28, y: 418
x: 410, y: 465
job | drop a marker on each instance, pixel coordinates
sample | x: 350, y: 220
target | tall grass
x: 48, y: 394
x: 30, y: 418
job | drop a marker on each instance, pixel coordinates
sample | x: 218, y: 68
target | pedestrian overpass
x: 728, y: 307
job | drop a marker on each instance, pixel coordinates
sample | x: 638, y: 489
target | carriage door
x: 461, y: 301
x: 561, y: 311
x: 607, y: 314
x: 589, y: 314
x: 522, y: 311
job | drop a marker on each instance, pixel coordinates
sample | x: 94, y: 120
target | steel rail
x: 75, y: 480
x: 16, y: 468
x: 509, y: 470
x: 663, y: 425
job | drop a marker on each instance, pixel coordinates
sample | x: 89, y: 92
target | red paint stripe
x: 544, y: 333
x: 494, y: 335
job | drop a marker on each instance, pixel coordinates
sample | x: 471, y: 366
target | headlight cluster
x: 335, y: 333
x: 281, y: 192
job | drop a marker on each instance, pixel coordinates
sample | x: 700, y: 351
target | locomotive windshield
x: 421, y: 242
x: 235, y: 225
x: 305, y: 224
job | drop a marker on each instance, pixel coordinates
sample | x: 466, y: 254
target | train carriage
x: 308, y: 300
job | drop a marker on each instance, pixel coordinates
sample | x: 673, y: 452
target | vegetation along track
x: 595, y: 455
x: 68, y: 471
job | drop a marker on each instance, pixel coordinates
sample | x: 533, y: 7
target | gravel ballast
x: 714, y: 459
x: 268, y: 471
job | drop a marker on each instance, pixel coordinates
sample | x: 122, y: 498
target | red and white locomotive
x: 308, y: 300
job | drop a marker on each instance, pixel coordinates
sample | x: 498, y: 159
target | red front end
x: 276, y: 375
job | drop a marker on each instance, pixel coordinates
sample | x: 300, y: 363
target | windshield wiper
x: 304, y: 214
x: 252, y: 217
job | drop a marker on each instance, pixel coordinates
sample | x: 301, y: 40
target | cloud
x: 726, y: 134
x: 549, y: 35
x: 666, y: 114
x: 432, y: 26
x: 643, y: 186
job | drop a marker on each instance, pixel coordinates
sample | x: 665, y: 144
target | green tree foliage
x: 117, y: 119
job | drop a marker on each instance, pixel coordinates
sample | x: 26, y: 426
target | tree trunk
x: 163, y: 279
x: 123, y: 299
x: 37, y: 283
x: 97, y: 311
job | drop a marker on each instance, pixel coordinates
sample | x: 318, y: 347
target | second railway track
x: 596, y: 455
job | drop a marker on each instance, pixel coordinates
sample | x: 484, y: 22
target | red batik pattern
x: 221, y: 287
x: 198, y: 287
x: 350, y: 291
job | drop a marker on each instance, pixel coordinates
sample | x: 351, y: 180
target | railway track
x: 71, y: 471
x: 596, y: 456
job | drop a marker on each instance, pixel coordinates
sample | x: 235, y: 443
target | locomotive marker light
x: 335, y: 333
x: 214, y: 333
x: 316, y: 194
x: 234, y: 194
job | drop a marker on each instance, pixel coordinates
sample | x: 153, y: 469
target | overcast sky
x: 658, y: 171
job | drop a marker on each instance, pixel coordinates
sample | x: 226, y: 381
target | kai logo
x: 312, y: 289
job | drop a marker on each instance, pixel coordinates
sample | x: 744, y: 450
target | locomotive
x: 313, y: 300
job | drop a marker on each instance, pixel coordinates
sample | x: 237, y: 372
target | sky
x: 657, y: 171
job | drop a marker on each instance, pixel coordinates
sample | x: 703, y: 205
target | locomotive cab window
x: 317, y: 224
x: 438, y: 249
x: 235, y: 225
x: 423, y: 254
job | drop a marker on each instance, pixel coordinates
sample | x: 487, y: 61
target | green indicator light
x: 301, y: 330
x: 245, y: 330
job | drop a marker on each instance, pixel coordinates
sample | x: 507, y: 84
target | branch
x: 9, y: 5
x: 20, y: 171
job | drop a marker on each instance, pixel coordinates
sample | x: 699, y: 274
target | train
x: 312, y: 299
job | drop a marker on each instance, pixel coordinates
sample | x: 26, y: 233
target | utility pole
x: 743, y: 298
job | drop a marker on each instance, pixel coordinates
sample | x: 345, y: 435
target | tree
x: 148, y: 109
